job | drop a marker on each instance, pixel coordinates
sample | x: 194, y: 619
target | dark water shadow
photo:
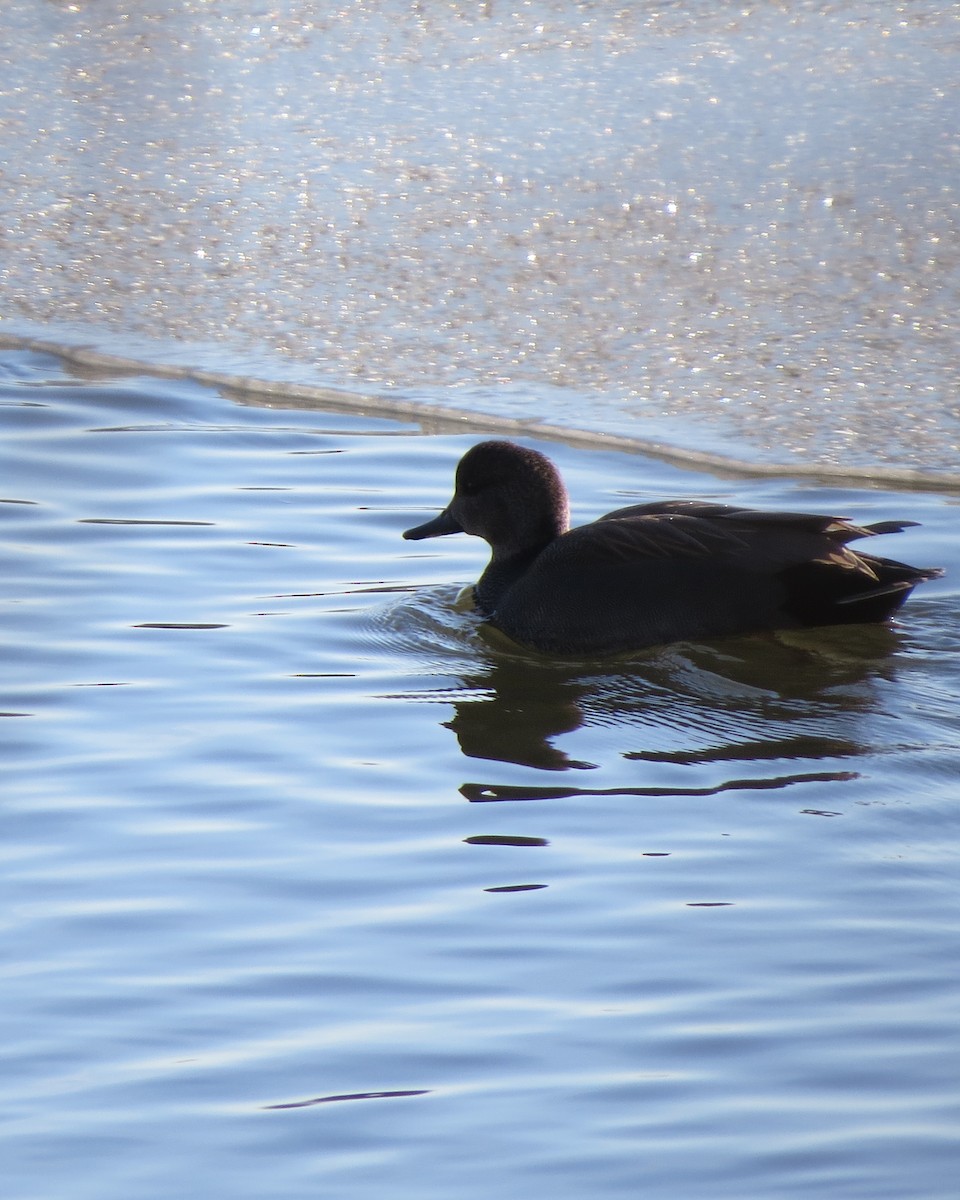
x: 784, y: 709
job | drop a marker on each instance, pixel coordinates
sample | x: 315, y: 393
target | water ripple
x: 267, y: 845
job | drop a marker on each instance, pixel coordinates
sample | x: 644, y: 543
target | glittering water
x: 718, y: 225
x: 311, y: 889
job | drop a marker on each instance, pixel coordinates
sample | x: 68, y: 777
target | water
x: 311, y: 889
x: 724, y: 226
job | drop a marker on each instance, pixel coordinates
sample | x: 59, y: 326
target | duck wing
x: 841, y: 528
x: 664, y: 572
x: 714, y: 535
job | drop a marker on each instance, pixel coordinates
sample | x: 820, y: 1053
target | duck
x: 656, y: 573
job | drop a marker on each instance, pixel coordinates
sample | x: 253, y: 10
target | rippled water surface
x: 311, y: 889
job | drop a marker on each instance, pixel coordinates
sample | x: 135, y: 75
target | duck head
x: 510, y: 496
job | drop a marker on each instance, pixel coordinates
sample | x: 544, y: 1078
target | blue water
x: 309, y: 888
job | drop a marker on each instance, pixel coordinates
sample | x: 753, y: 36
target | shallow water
x: 720, y: 225
x: 310, y: 888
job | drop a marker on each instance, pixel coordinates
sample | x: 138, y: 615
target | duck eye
x: 469, y: 486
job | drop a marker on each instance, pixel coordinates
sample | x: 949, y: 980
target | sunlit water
x: 719, y: 224
x: 312, y: 889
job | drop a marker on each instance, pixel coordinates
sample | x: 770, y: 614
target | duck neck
x: 517, y: 541
x: 501, y: 574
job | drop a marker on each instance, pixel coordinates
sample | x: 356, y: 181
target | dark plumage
x: 655, y: 573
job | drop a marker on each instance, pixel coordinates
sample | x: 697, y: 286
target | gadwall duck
x: 655, y: 573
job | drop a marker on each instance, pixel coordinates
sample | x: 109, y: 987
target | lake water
x: 310, y: 888
x: 725, y: 226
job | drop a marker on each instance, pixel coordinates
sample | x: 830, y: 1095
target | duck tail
x: 895, y: 582
x: 871, y: 592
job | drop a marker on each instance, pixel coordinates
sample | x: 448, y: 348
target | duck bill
x: 438, y: 527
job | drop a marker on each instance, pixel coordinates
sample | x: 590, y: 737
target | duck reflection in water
x: 773, y: 699
x: 520, y: 708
